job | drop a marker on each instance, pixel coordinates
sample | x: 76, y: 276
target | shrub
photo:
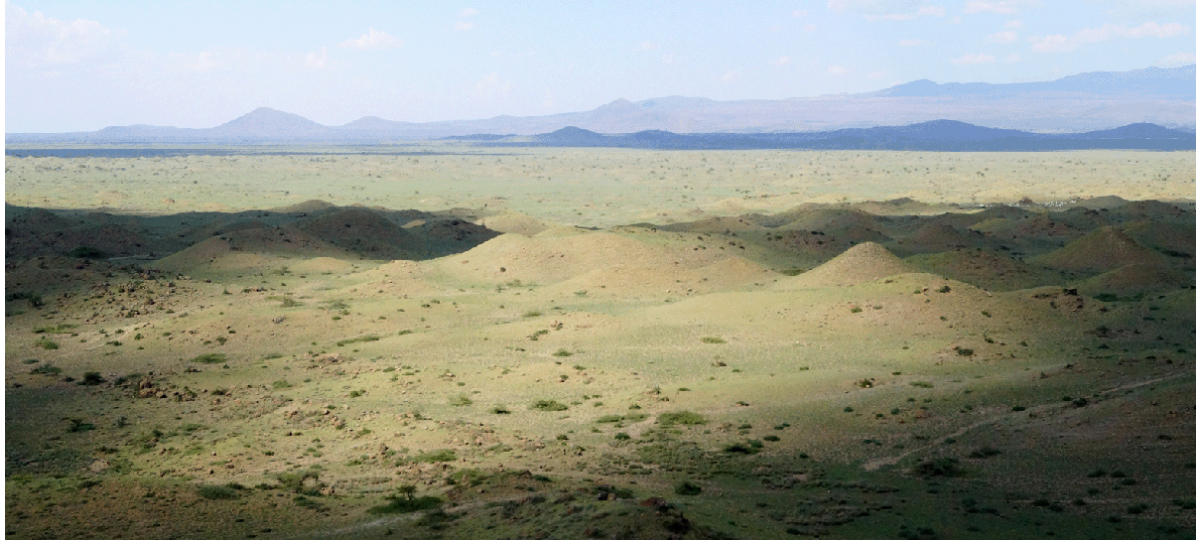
x: 92, y: 378
x: 281, y: 384
x: 406, y: 504
x: 436, y: 456
x: 296, y: 482
x: 984, y: 452
x: 217, y: 492
x: 210, y: 358
x: 609, y: 419
x: 500, y: 409
x: 79, y: 426
x: 45, y: 343
x: 687, y: 488
x: 548, y: 405
x: 945, y: 466
x: 749, y: 447
x: 87, y: 252
x: 712, y: 339
x: 46, y: 369
x: 563, y: 353
x: 460, y: 400
x: 685, y: 418
x: 35, y: 300
x: 361, y: 339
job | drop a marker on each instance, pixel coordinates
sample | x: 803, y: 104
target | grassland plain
x: 601, y: 343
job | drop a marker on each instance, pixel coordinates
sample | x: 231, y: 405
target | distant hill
x: 1177, y: 82
x: 1086, y: 102
x: 937, y: 136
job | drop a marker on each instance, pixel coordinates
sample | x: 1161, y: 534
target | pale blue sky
x: 83, y: 65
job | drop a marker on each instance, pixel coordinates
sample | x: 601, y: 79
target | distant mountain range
x: 938, y: 135
x: 1083, y: 103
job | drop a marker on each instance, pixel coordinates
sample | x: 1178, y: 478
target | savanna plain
x: 456, y: 341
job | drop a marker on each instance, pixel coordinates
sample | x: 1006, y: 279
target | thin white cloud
x: 649, y: 46
x: 464, y: 26
x: 468, y: 12
x: 1012, y: 58
x: 912, y: 42
x: 836, y: 70
x: 809, y: 27
x: 1051, y: 43
x: 800, y: 13
x: 1177, y: 60
x: 1153, y: 29
x: 1014, y: 25
x: 1001, y: 7
x: 1059, y: 43
x: 729, y: 76
x: 204, y: 61
x: 973, y: 59
x: 491, y: 87
x: 781, y: 61
x: 1007, y: 36
x: 888, y: 10
x: 373, y: 39
x: 33, y: 39
x: 317, y: 60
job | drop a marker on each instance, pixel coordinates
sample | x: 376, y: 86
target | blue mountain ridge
x: 937, y: 135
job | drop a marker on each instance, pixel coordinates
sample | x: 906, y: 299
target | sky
x: 83, y: 65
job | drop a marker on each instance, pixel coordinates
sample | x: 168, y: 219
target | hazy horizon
x: 194, y: 66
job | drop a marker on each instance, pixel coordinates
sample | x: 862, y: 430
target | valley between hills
x: 447, y: 341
